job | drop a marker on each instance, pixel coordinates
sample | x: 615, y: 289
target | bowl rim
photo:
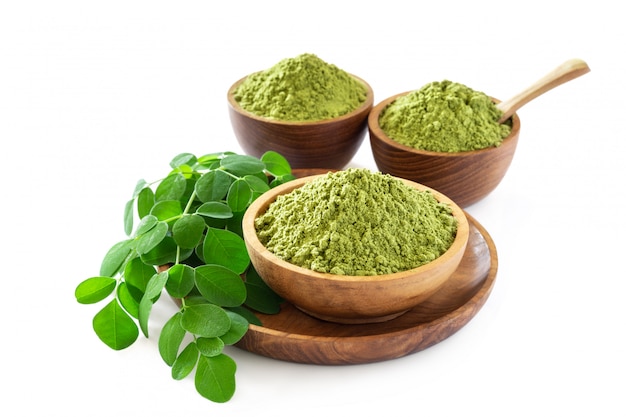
x: 379, y: 133
x: 366, y: 106
x: 262, y: 203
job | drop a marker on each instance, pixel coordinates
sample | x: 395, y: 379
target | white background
x: 96, y: 95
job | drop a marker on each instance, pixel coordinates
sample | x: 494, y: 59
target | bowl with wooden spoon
x: 467, y: 175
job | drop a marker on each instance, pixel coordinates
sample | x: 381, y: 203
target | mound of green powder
x: 357, y: 222
x: 444, y: 117
x: 304, y: 88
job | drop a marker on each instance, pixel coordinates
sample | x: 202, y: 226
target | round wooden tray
x: 294, y: 336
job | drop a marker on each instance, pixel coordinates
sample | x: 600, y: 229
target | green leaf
x: 241, y: 165
x: 146, y: 224
x: 170, y: 339
x: 153, y: 291
x: 115, y: 258
x: 171, y: 188
x: 128, y: 217
x: 164, y: 253
x: 247, y: 314
x: 128, y: 298
x: 210, y: 159
x: 205, y: 320
x: 239, y: 195
x: 115, y: 327
x: 137, y: 275
x: 210, y: 346
x: 145, y: 201
x: 226, y: 248
x: 181, y: 280
x: 93, y: 290
x: 215, y: 210
x: 183, y: 159
x: 141, y: 184
x: 257, y: 185
x: 185, y: 362
x: 281, y: 180
x: 238, y: 328
x: 215, y: 378
x: 276, y: 164
x: 149, y: 240
x: 167, y: 210
x: 213, y: 186
x: 260, y: 296
x: 220, y: 285
x: 188, y: 231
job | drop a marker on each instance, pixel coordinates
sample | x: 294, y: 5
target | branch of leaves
x: 189, y: 242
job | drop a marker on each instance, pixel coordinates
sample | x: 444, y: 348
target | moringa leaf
x: 185, y: 362
x: 215, y: 377
x: 205, y: 320
x: 146, y: 224
x: 171, y: 188
x: 115, y: 258
x: 181, y: 280
x: 164, y: 253
x: 276, y: 164
x: 167, y: 210
x: 239, y: 195
x: 225, y: 248
x: 145, y: 201
x: 183, y: 159
x: 95, y: 289
x: 210, y: 346
x: 188, y: 231
x: 215, y: 210
x: 213, y: 186
x: 241, y: 165
x: 128, y: 299
x: 220, y: 285
x: 128, y: 217
x: 238, y: 328
x: 137, y: 275
x: 115, y: 327
x: 149, y: 240
x: 153, y: 291
x: 170, y: 339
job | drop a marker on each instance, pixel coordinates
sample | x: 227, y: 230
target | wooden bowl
x: 351, y: 299
x: 465, y: 177
x: 328, y: 143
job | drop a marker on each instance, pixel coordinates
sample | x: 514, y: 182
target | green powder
x: 444, y: 117
x: 357, y: 222
x: 303, y: 88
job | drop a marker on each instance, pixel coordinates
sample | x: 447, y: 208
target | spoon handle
x: 567, y: 71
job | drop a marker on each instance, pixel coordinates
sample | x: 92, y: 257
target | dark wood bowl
x: 465, y: 177
x: 328, y: 143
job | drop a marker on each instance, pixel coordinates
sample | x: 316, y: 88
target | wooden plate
x: 296, y: 337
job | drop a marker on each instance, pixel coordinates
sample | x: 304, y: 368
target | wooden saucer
x: 294, y: 336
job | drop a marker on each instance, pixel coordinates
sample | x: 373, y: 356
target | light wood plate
x: 295, y: 336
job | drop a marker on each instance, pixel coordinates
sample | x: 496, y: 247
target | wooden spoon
x: 567, y: 71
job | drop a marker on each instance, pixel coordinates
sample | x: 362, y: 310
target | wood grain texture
x: 317, y: 144
x: 465, y: 177
x: 295, y: 336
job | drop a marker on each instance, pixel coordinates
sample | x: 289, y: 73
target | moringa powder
x: 444, y: 117
x: 304, y: 88
x: 357, y: 222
